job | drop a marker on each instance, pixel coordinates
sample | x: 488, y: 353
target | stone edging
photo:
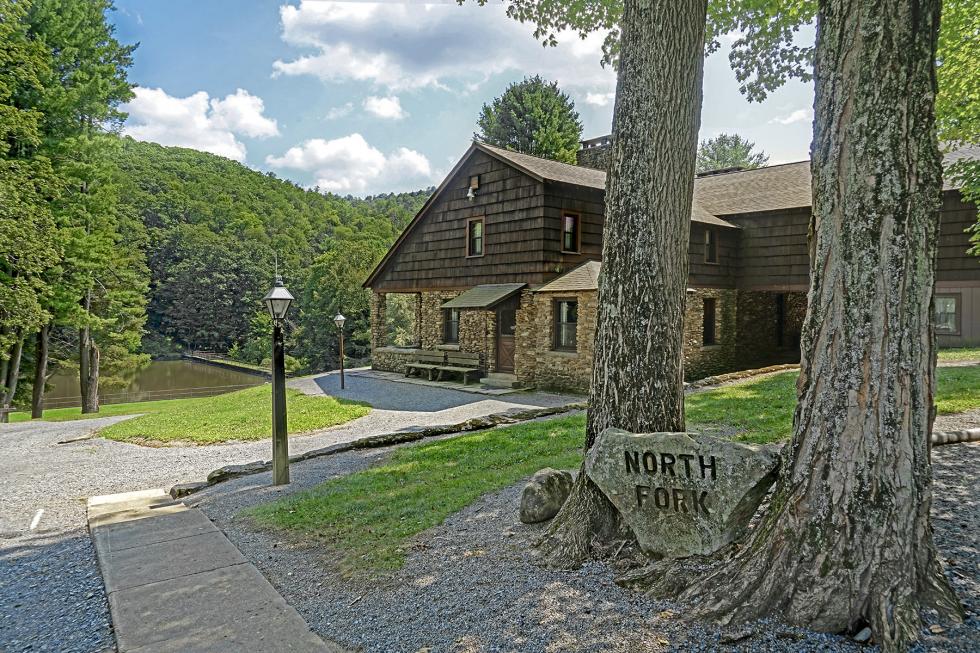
x: 738, y: 376
x: 374, y: 441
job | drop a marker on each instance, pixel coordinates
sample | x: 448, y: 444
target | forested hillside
x: 213, y: 231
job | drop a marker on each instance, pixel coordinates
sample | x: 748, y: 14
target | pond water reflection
x: 159, y: 380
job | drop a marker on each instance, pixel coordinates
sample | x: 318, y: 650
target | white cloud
x: 351, y: 165
x: 600, y: 99
x: 389, y: 108
x: 335, y: 113
x: 242, y: 114
x: 403, y: 45
x: 197, y: 121
x: 800, y: 115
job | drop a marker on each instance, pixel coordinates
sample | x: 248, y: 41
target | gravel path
x: 51, y: 593
x: 470, y: 586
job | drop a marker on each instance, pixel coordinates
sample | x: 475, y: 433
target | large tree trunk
x: 88, y: 365
x: 637, y: 379
x: 847, y: 540
x: 12, y: 373
x: 40, y: 371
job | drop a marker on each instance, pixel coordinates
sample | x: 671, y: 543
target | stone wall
x: 536, y: 362
x: 702, y: 360
x: 383, y: 356
x: 758, y: 328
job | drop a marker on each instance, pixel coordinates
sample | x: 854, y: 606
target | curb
x: 229, y: 472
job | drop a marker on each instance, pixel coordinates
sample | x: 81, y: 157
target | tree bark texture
x: 637, y: 378
x: 10, y: 377
x: 847, y: 540
x: 40, y: 371
x: 88, y: 365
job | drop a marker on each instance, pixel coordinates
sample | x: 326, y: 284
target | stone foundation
x: 747, y: 335
x: 536, y: 361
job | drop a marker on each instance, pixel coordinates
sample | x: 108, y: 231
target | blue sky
x: 360, y: 98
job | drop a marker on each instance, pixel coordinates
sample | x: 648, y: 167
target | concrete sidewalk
x: 175, y: 583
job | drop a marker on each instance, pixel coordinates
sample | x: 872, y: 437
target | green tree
x: 728, y: 151
x: 28, y: 245
x: 97, y: 281
x: 334, y: 286
x: 533, y: 117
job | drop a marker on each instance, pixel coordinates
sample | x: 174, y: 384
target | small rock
x: 184, y: 489
x: 230, y: 471
x: 936, y: 629
x: 863, y: 636
x: 544, y: 495
x: 734, y: 636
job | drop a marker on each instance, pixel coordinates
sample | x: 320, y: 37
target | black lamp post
x: 339, y: 321
x: 277, y: 301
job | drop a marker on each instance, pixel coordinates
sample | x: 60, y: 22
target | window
x: 948, y: 315
x: 566, y: 324
x: 474, y: 237
x: 450, y: 326
x: 710, y: 246
x: 708, y: 331
x: 570, y: 233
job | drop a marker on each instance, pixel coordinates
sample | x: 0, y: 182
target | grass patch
x: 957, y: 389
x: 369, y: 515
x: 959, y: 354
x: 241, y: 415
x: 758, y: 410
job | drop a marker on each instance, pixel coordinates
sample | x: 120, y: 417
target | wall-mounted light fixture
x: 474, y: 186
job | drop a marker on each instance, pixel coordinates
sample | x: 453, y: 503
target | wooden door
x: 506, y: 328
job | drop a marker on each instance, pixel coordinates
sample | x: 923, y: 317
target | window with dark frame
x: 570, y: 233
x: 474, y: 237
x: 450, y: 326
x: 710, y: 246
x: 566, y: 324
x: 947, y: 315
x: 708, y: 329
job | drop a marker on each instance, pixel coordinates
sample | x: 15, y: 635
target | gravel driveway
x: 470, y: 586
x: 51, y: 593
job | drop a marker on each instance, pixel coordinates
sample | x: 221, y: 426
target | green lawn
x: 960, y: 354
x: 242, y: 415
x: 369, y: 516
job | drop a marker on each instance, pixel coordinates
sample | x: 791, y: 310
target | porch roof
x: 485, y: 296
x: 584, y: 277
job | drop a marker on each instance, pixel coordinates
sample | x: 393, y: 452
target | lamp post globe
x: 339, y: 320
x: 277, y: 301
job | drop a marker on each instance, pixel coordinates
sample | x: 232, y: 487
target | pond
x: 175, y: 379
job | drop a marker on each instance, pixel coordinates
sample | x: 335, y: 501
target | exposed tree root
x: 587, y: 526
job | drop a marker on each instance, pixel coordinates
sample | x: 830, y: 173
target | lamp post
x: 339, y: 321
x: 277, y: 301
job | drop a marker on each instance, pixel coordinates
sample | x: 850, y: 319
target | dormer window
x: 710, y: 246
x: 474, y: 237
x: 570, y: 233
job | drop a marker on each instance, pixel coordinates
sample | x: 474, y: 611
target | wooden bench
x: 426, y: 360
x: 462, y: 363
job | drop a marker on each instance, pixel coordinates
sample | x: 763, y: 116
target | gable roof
x: 583, y: 277
x: 773, y: 188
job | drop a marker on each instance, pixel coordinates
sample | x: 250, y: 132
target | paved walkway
x: 175, y: 583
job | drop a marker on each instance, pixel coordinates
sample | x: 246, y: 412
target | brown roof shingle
x: 583, y: 277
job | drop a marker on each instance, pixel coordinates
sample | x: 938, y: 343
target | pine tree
x: 533, y: 117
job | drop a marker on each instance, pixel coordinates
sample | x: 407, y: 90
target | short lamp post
x: 339, y: 321
x: 277, y: 301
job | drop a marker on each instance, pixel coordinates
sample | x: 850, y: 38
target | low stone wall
x: 392, y: 359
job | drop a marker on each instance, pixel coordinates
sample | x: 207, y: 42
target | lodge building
x: 504, y: 260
